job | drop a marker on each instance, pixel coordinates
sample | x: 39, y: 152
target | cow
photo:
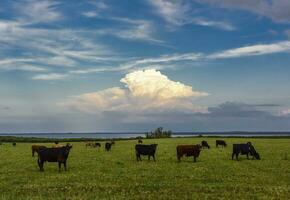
x: 142, y: 149
x: 245, y: 149
x: 204, y: 144
x: 59, y: 155
x: 14, y: 144
x: 108, y: 145
x: 188, y: 150
x: 97, y: 144
x: 220, y: 142
x: 35, y: 148
x: 140, y: 141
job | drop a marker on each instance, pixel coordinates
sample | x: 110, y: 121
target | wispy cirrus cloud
x: 53, y: 49
x: 98, y: 7
x: 13, y: 64
x: 33, y: 11
x: 161, y: 62
x: 276, y: 10
x: 178, y: 13
x: 253, y: 50
x: 168, y: 61
x: 50, y: 76
x: 132, y: 29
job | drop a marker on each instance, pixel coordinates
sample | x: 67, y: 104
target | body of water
x: 134, y: 135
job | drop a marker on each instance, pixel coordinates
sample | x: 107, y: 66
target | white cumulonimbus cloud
x: 144, y: 91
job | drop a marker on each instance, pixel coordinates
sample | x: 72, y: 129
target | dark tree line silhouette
x: 159, y: 133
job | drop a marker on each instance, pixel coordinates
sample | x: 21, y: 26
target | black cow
x: 59, y: 155
x: 220, y: 142
x: 108, y: 146
x: 245, y: 149
x: 142, y: 149
x: 140, y: 141
x: 14, y: 144
x: 204, y: 144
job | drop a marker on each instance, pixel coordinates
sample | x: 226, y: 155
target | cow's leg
x: 64, y: 164
x: 237, y: 156
x: 32, y: 152
x: 248, y: 156
x: 40, y: 164
x: 153, y: 157
x: 59, y: 166
x: 138, y: 157
x: 148, y: 157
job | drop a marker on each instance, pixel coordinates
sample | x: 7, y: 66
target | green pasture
x: 96, y: 174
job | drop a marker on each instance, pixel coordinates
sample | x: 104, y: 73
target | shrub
x: 159, y: 133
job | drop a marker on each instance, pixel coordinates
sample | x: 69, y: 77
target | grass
x: 96, y: 174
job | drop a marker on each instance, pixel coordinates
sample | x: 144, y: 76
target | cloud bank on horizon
x: 76, y: 66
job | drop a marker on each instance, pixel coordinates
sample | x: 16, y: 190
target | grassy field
x: 96, y: 174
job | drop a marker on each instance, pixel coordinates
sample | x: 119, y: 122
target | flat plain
x: 96, y: 174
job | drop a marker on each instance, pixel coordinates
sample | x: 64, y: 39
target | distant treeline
x: 4, y: 139
x: 159, y: 133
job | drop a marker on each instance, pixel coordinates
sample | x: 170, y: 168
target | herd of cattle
x: 59, y: 153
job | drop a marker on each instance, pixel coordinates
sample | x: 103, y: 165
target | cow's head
x: 68, y: 147
x: 257, y: 156
x: 154, y: 146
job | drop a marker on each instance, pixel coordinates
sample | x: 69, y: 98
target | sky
x: 132, y: 66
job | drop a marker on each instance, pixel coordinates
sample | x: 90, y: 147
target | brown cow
x: 35, y: 148
x: 188, y: 150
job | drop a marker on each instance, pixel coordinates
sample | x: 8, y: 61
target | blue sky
x: 192, y: 65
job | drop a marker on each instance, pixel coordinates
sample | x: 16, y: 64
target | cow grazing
x: 140, y: 141
x: 108, y: 146
x: 220, y: 142
x: 204, y: 144
x: 142, y: 149
x: 97, y: 144
x: 59, y: 155
x: 245, y: 149
x: 35, y: 148
x: 188, y: 150
x: 14, y: 144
